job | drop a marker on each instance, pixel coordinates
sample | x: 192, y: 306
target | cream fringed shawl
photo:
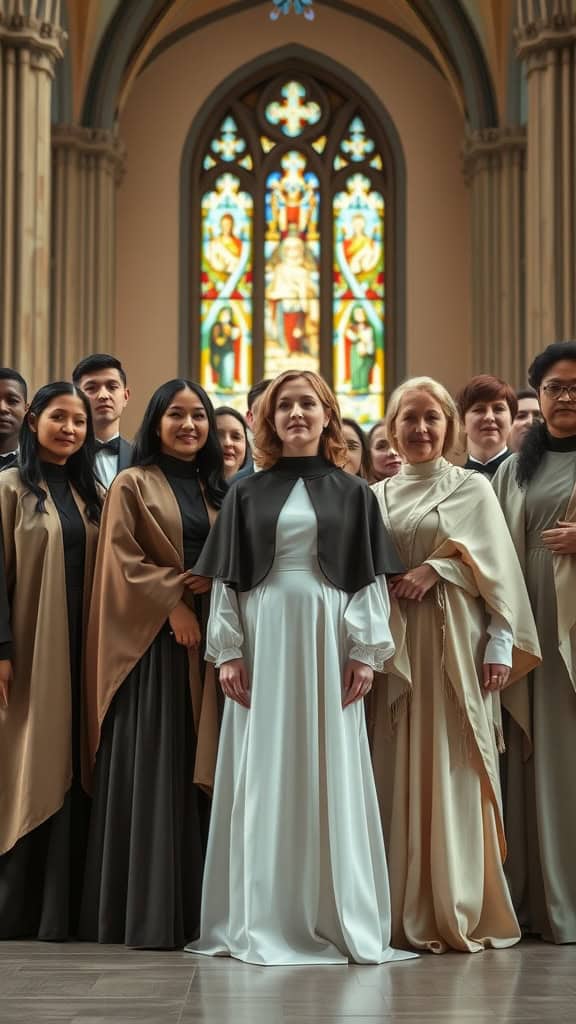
x: 479, y: 572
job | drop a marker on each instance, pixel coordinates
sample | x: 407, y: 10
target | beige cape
x: 137, y: 584
x: 35, y: 737
x: 478, y: 556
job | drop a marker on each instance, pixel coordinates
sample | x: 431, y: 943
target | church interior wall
x: 155, y: 122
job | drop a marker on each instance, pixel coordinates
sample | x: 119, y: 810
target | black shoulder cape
x: 353, y: 544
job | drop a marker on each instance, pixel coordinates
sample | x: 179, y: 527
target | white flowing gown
x: 295, y: 868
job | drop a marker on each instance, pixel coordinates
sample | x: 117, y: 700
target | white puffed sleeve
x: 501, y: 643
x: 224, y: 636
x: 366, y: 622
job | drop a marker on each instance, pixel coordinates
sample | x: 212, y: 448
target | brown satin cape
x: 512, y: 499
x: 478, y: 559
x: 35, y: 739
x: 137, y: 583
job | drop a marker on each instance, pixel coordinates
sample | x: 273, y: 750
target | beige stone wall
x: 155, y: 122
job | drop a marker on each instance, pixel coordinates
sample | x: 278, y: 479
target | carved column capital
x: 486, y: 148
x: 103, y: 145
x: 542, y: 28
x: 21, y: 27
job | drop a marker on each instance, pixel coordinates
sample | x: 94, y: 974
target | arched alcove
x: 360, y: 305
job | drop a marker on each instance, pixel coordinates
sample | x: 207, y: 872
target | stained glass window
x: 293, y: 240
x: 292, y: 267
x: 226, y: 290
x: 358, y: 299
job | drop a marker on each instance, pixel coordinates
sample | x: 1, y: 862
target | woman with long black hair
x: 50, y: 511
x: 151, y: 699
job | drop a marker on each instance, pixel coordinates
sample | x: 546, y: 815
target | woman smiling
x: 295, y: 867
x: 463, y: 631
x: 152, y: 718
x: 50, y: 511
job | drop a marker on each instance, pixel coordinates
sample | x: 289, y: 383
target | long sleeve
x: 366, y: 623
x: 501, y: 643
x: 225, y: 636
x: 501, y: 640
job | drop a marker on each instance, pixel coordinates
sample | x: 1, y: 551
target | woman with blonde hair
x: 296, y: 870
x: 463, y: 631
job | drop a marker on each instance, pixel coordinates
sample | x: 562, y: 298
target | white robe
x: 296, y: 869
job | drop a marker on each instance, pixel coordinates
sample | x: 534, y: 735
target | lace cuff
x: 375, y: 657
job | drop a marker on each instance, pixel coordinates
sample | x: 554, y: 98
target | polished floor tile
x: 44, y: 983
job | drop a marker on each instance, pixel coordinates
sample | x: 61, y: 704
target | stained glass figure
x: 226, y: 286
x: 292, y: 261
x: 358, y: 306
x: 293, y: 113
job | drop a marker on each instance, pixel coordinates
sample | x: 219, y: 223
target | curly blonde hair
x: 439, y: 393
x: 267, y: 444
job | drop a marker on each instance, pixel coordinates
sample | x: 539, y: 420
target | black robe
x: 488, y: 469
x: 353, y: 545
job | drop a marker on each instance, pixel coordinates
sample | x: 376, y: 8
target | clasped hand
x: 561, y: 539
x: 414, y: 584
x: 197, y: 584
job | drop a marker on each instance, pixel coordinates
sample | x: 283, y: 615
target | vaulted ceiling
x: 110, y: 41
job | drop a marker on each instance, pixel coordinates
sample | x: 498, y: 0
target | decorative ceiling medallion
x: 298, y: 6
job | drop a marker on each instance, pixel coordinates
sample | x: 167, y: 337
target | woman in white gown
x: 296, y: 870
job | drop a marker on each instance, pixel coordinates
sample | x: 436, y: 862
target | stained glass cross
x: 293, y: 113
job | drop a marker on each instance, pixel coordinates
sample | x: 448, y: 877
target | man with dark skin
x: 13, y: 406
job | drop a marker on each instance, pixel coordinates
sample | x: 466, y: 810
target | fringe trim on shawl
x: 466, y: 734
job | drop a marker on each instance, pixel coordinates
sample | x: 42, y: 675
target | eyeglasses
x: 554, y: 390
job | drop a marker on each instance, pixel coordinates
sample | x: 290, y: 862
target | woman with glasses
x: 537, y: 492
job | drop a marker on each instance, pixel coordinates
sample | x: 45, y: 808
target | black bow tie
x: 113, y: 445
x: 9, y: 457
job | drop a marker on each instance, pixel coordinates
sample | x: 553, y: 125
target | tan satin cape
x: 137, y: 584
x: 35, y: 736
x: 512, y: 499
x: 479, y: 558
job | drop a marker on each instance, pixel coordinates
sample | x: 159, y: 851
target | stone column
x: 87, y: 166
x: 494, y: 167
x: 546, y: 38
x: 31, y: 41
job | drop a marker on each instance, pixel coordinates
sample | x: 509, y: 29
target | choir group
x: 277, y: 689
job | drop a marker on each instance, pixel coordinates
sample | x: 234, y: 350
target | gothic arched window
x: 290, y: 233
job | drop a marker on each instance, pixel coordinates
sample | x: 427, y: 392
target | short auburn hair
x: 439, y: 393
x: 267, y: 444
x: 485, y: 388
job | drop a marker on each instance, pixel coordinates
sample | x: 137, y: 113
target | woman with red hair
x: 296, y: 870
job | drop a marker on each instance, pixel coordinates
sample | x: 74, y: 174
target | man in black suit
x: 13, y: 406
x: 103, y: 380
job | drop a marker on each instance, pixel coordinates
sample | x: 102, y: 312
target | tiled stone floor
x: 41, y: 983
